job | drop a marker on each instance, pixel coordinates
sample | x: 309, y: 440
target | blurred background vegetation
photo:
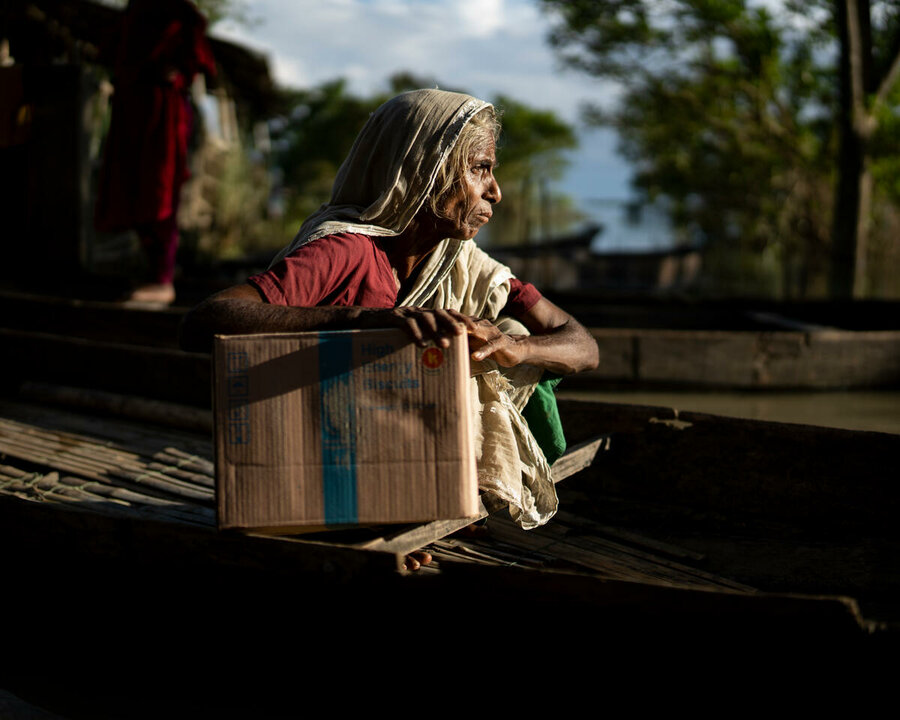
x: 260, y: 197
x: 772, y: 129
x: 768, y: 133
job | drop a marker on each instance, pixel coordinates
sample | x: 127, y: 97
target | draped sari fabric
x: 380, y: 187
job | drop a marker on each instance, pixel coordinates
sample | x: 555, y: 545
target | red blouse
x: 352, y: 269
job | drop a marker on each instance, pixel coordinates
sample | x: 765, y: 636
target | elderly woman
x: 393, y: 248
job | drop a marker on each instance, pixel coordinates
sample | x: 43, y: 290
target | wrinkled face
x: 468, y: 208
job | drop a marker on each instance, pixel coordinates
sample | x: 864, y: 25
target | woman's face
x: 468, y: 208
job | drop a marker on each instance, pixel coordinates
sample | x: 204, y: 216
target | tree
x: 869, y: 69
x: 530, y: 153
x: 312, y: 141
x: 732, y: 112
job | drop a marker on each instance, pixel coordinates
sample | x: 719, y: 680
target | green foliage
x: 316, y: 136
x: 729, y: 112
x: 530, y: 153
x: 243, y: 192
x: 532, y: 140
x: 884, y: 146
x: 318, y: 131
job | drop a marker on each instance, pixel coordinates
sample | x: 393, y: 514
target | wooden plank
x: 90, y: 319
x: 813, y: 357
x: 173, y: 415
x: 578, y: 457
x: 100, y: 497
x: 785, y: 323
x: 418, y: 536
x: 180, y: 448
x: 615, y: 610
x: 235, y: 591
x: 820, y: 478
x: 405, y: 541
x: 588, y: 549
x: 159, y: 373
x: 630, y: 537
x: 47, y: 530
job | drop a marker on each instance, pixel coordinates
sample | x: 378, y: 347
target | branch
x: 887, y: 82
x: 863, y: 122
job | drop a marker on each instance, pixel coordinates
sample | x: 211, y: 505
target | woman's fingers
x: 412, y: 327
x: 439, y: 326
x: 447, y: 327
x: 488, y: 348
x: 435, y: 325
x: 469, y: 324
x: 491, y: 343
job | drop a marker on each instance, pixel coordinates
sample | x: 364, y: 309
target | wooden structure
x: 51, y: 125
x: 116, y: 362
x: 740, y: 344
x: 103, y: 341
x: 657, y: 506
x: 569, y: 264
x: 677, y: 528
x: 780, y: 360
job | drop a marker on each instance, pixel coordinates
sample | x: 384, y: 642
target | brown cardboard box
x: 329, y: 429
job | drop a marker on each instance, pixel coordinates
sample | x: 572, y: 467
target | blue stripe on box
x: 338, y: 421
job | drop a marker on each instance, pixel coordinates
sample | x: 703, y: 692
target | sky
x: 486, y: 47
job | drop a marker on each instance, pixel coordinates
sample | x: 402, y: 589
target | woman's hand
x: 421, y: 324
x: 558, y: 342
x: 424, y: 325
x: 487, y: 341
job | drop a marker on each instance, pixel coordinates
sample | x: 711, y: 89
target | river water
x: 855, y: 410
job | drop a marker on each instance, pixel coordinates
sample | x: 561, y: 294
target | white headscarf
x: 392, y: 165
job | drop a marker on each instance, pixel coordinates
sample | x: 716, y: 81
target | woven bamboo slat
x: 140, y: 438
x: 99, y: 497
x: 105, y: 463
x: 606, y: 556
x: 151, y: 481
x: 76, y: 453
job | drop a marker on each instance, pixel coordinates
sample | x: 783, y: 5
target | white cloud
x: 487, y: 47
x: 482, y: 18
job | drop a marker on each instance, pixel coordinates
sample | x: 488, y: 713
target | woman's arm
x: 242, y: 310
x: 558, y: 342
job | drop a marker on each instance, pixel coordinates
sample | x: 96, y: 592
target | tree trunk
x: 853, y: 187
x: 851, y: 218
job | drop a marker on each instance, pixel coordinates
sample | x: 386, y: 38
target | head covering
x: 392, y: 165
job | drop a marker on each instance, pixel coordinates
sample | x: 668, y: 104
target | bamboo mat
x: 141, y: 471
x: 105, y: 465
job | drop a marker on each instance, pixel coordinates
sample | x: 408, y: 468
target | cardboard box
x: 329, y: 429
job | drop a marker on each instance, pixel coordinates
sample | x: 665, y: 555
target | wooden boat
x: 675, y: 527
x: 669, y: 505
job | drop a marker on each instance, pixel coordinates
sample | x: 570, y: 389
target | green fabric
x: 542, y: 417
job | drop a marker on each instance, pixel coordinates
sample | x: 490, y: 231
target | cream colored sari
x: 378, y: 190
